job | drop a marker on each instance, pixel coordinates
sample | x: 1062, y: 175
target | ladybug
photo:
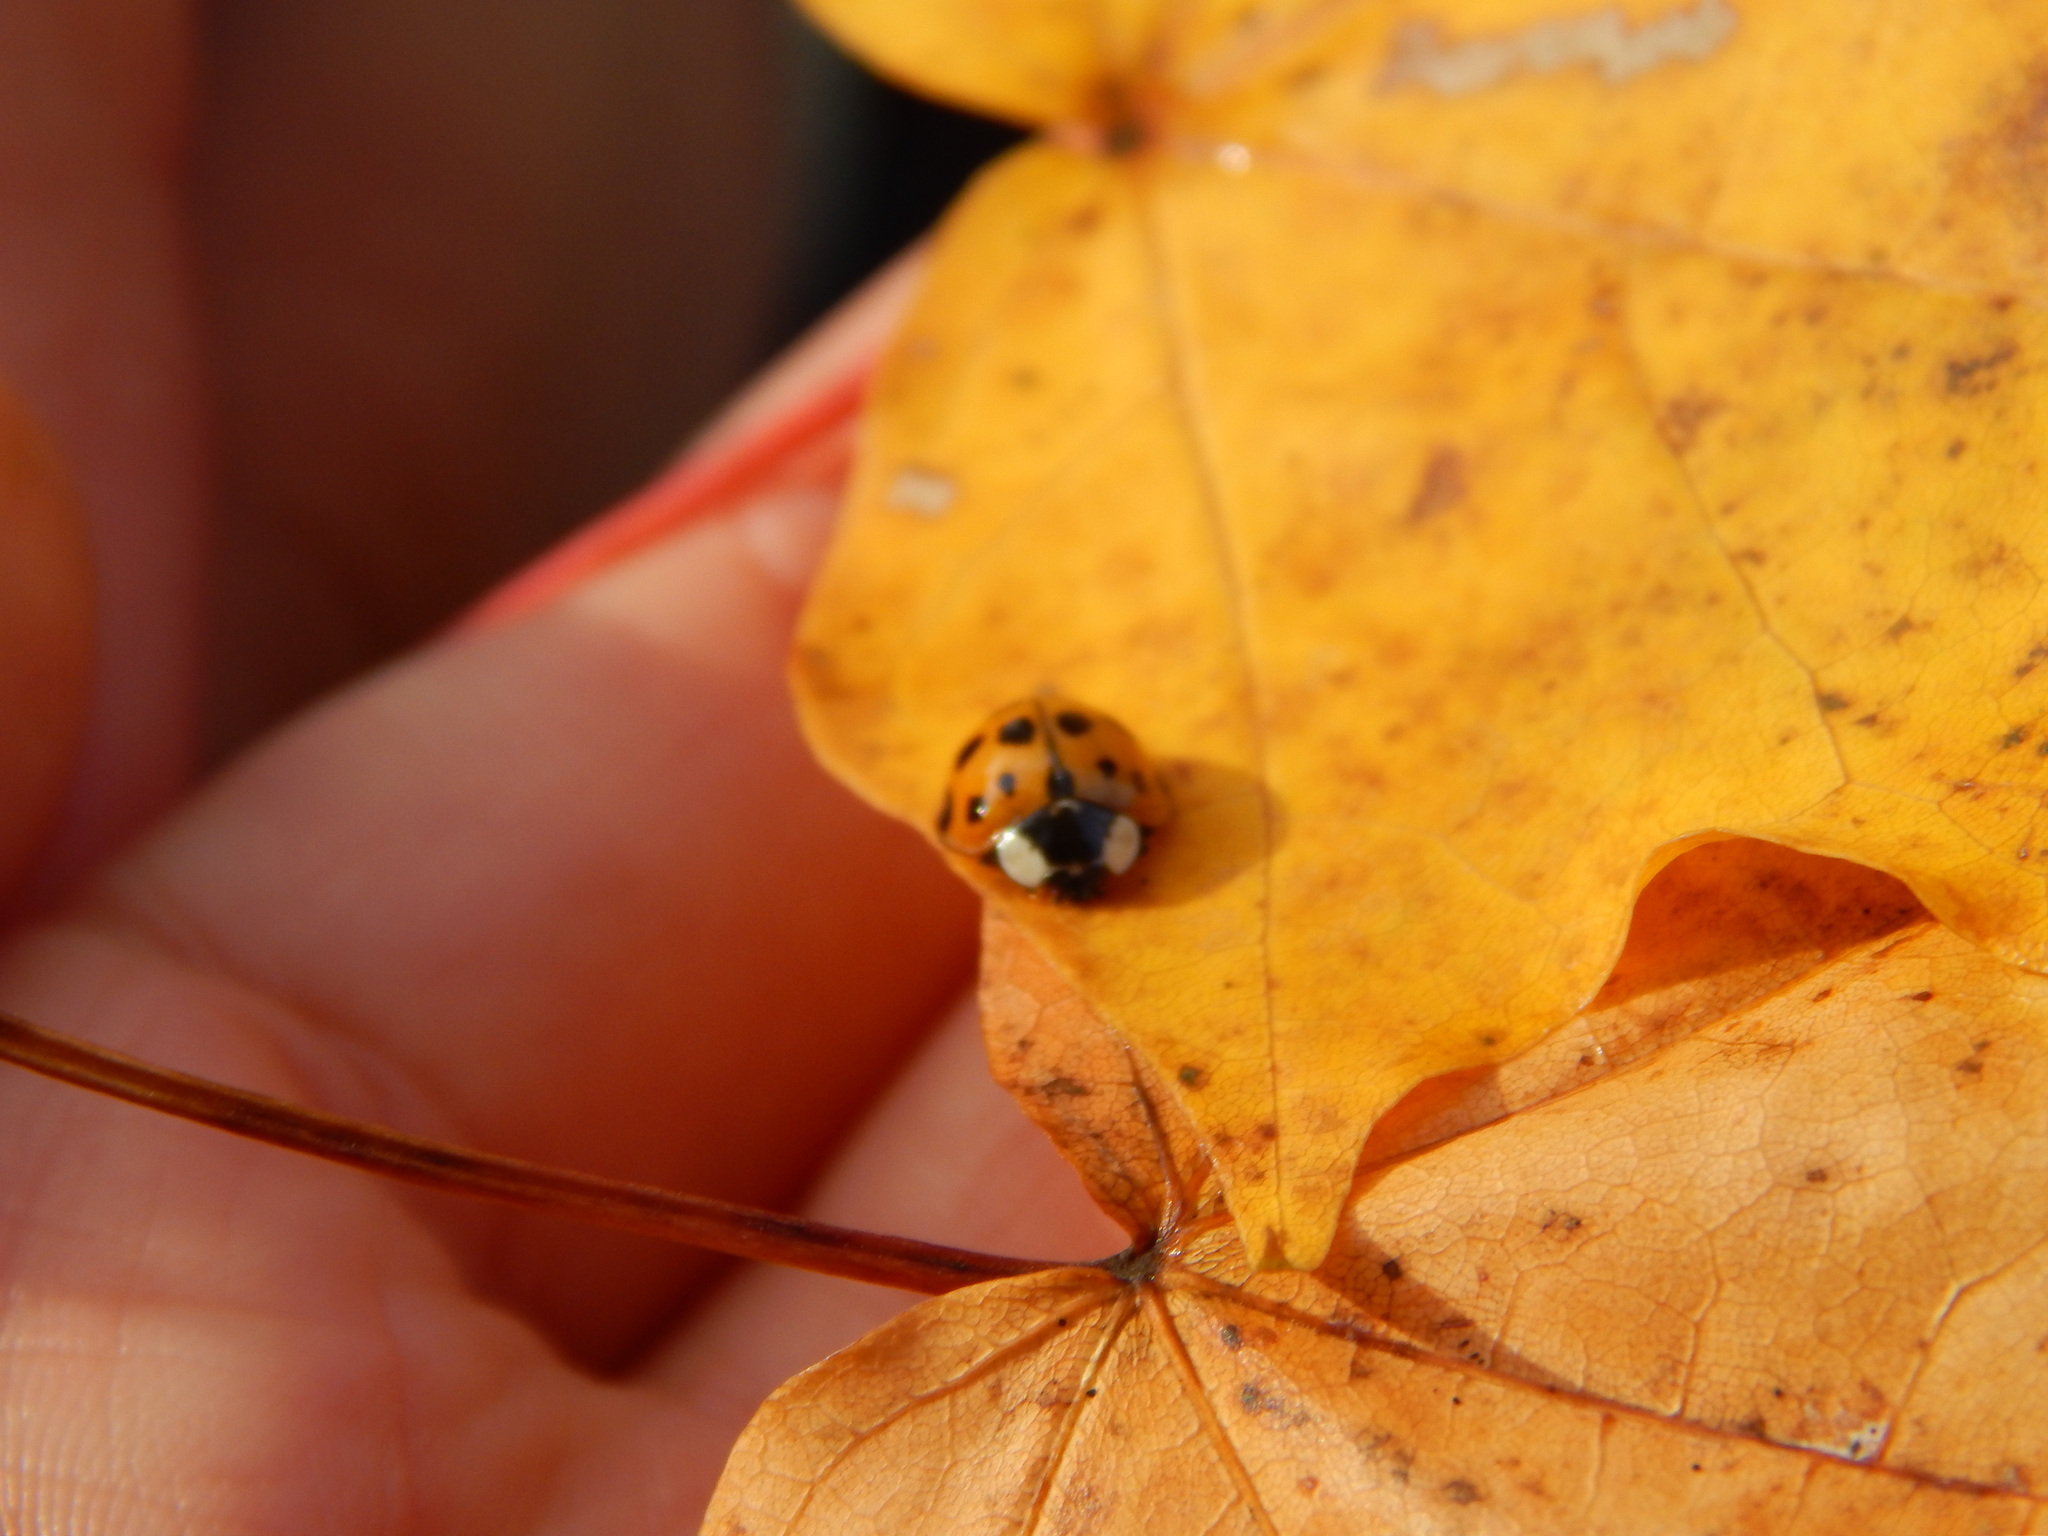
x: 1058, y: 796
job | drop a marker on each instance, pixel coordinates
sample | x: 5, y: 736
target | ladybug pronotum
x: 1058, y: 796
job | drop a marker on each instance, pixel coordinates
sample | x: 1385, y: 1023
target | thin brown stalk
x: 743, y: 1232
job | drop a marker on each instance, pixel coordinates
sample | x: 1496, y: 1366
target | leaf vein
x: 1173, y: 327
x: 1205, y: 1409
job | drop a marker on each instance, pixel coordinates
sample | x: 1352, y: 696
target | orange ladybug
x: 1057, y: 795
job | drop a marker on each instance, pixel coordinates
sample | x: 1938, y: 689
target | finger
x: 98, y: 334
x: 944, y: 1155
x: 571, y: 889
x: 197, y: 1339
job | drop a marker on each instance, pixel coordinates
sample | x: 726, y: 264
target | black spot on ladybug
x: 1073, y: 722
x: 973, y: 746
x: 1106, y: 766
x: 1007, y: 783
x: 977, y: 808
x: 1018, y: 732
x: 1059, y: 783
x: 946, y: 814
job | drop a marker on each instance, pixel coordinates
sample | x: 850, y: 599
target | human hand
x: 567, y: 887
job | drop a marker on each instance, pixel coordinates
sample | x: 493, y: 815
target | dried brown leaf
x: 1785, y: 1271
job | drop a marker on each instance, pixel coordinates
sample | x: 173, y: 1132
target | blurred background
x: 475, y: 268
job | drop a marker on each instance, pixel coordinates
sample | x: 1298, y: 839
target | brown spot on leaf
x: 1684, y: 415
x: 2007, y: 164
x: 1442, y: 487
x: 1977, y: 374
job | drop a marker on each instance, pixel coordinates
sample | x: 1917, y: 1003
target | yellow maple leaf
x: 1483, y: 451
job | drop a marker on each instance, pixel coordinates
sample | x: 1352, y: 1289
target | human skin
x: 566, y: 886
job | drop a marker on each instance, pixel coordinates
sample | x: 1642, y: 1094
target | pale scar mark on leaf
x: 1423, y: 56
x: 923, y: 491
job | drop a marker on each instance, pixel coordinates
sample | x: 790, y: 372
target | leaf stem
x: 738, y: 1230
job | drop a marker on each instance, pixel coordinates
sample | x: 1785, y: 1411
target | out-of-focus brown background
x: 474, y: 268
